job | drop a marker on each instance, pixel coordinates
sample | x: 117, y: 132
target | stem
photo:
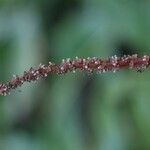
x: 113, y: 63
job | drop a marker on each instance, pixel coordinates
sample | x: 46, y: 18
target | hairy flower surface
x: 94, y: 64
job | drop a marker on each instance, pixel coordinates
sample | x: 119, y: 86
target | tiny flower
x: 98, y: 65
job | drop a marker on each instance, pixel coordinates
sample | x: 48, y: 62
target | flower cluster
x: 94, y: 64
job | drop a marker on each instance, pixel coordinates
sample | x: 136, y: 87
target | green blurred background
x: 76, y: 111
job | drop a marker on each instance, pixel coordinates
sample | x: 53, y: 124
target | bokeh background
x: 74, y: 111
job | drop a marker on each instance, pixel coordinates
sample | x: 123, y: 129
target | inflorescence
x: 94, y: 64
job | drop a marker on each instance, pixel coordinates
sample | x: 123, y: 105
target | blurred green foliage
x: 75, y: 111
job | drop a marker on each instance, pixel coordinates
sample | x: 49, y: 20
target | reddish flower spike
x: 94, y: 64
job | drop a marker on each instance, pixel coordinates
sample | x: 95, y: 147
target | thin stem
x: 94, y: 64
